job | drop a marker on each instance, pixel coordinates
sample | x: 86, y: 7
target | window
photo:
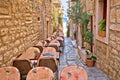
x: 102, y: 18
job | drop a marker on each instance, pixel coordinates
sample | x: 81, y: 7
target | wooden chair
x: 40, y: 73
x: 48, y: 41
x: 31, y: 50
x: 24, y: 66
x: 50, y: 50
x: 48, y: 62
x: 39, y: 47
x: 9, y: 73
x: 61, y: 43
x: 39, y: 43
x: 54, y: 46
x: 73, y: 73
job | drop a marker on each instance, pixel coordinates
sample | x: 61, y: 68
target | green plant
x: 84, y: 29
x: 74, y: 33
x: 74, y: 14
x: 92, y: 57
x: 102, y: 25
x: 89, y: 37
x: 84, y: 18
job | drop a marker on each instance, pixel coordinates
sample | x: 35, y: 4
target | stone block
x: 113, y: 44
x: 9, y: 23
x: 16, y: 22
x: 2, y: 23
x: 15, y: 51
x: 3, y: 31
x: 114, y: 51
x: 117, y: 27
x: 117, y: 40
x: 113, y: 26
x: 12, y: 30
x: 117, y: 2
x: 116, y: 65
x: 1, y: 57
x: 0, y: 42
x: 113, y: 3
x: 112, y: 37
x: 21, y: 47
x: 118, y: 15
x: 118, y: 47
x: 113, y: 15
x: 2, y: 49
x: 18, y: 29
x: 6, y: 39
x: 17, y: 43
x: 17, y: 35
x: 8, y: 55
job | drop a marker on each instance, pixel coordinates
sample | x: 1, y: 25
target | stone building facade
x: 57, y: 14
x: 107, y: 49
x: 21, y: 26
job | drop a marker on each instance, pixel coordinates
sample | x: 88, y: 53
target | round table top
x: 73, y: 73
x: 9, y: 73
x: 40, y: 73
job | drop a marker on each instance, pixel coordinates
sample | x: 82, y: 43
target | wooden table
x: 9, y: 73
x: 29, y: 54
x: 59, y: 38
x: 40, y: 73
x: 50, y: 50
x: 73, y: 73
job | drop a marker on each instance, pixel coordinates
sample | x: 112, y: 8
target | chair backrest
x: 48, y: 62
x: 39, y: 47
x: 31, y: 50
x: 9, y: 73
x: 61, y: 43
x: 73, y: 73
x: 40, y: 73
x: 48, y: 41
x: 39, y: 43
x: 49, y: 50
x: 22, y: 65
x: 54, y: 46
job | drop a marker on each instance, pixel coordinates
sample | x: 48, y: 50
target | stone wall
x: 20, y: 27
x: 48, y: 18
x: 108, y: 54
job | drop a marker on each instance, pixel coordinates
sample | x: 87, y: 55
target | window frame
x: 103, y: 39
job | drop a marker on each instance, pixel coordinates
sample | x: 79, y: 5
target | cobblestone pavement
x: 70, y: 57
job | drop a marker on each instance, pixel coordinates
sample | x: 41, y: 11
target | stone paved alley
x: 70, y: 57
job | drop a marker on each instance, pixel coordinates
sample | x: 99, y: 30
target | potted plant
x: 88, y: 38
x: 84, y: 22
x: 91, y: 59
x: 102, y: 28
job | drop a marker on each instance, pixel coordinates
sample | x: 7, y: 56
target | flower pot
x: 102, y: 33
x: 90, y: 63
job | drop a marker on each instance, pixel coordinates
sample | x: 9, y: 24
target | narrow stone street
x: 70, y: 57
